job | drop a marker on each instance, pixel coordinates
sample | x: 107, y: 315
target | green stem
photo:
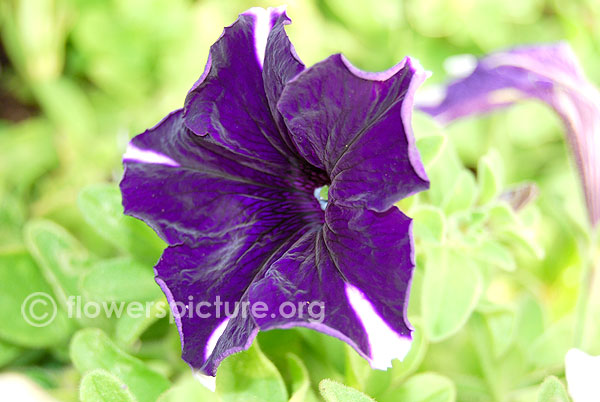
x: 590, y: 286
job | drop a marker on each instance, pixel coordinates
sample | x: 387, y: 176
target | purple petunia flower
x: 550, y: 73
x: 229, y: 181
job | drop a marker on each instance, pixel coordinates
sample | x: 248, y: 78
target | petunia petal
x: 280, y: 66
x: 188, y: 188
x: 206, y: 287
x: 356, y: 126
x: 229, y: 101
x: 359, y: 266
x: 549, y: 73
x: 226, y: 221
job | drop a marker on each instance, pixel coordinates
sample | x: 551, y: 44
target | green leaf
x: 550, y: 348
x: 426, y: 387
x: 250, y: 376
x: 462, y: 195
x: 58, y: 254
x: 12, y: 218
x: 501, y: 324
x: 530, y: 321
x: 452, y: 286
x: 491, y: 369
x: 489, y: 176
x: 436, y: 19
x: 120, y: 280
x: 552, y: 390
x: 67, y: 104
x: 188, y: 389
x: 414, y: 357
x: 63, y: 261
x: 28, y: 305
x: 8, y: 352
x: 357, y: 369
x: 502, y: 215
x: 328, y: 351
x: 333, y: 391
x: 430, y: 148
x: 131, y: 326
x: 379, y: 381
x: 429, y: 224
x: 523, y: 237
x: 101, y: 207
x: 38, y: 33
x: 507, y: 226
x: 474, y: 388
x: 362, y: 19
x: 27, y: 152
x: 444, y: 173
x: 101, y: 386
x: 497, y: 254
x: 91, y: 349
x: 300, y: 382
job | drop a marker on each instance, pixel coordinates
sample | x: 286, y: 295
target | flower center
x: 322, y: 195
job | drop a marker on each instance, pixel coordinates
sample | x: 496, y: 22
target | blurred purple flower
x: 229, y: 181
x: 550, y: 73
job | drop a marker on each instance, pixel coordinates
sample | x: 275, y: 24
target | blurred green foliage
x: 494, y: 299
